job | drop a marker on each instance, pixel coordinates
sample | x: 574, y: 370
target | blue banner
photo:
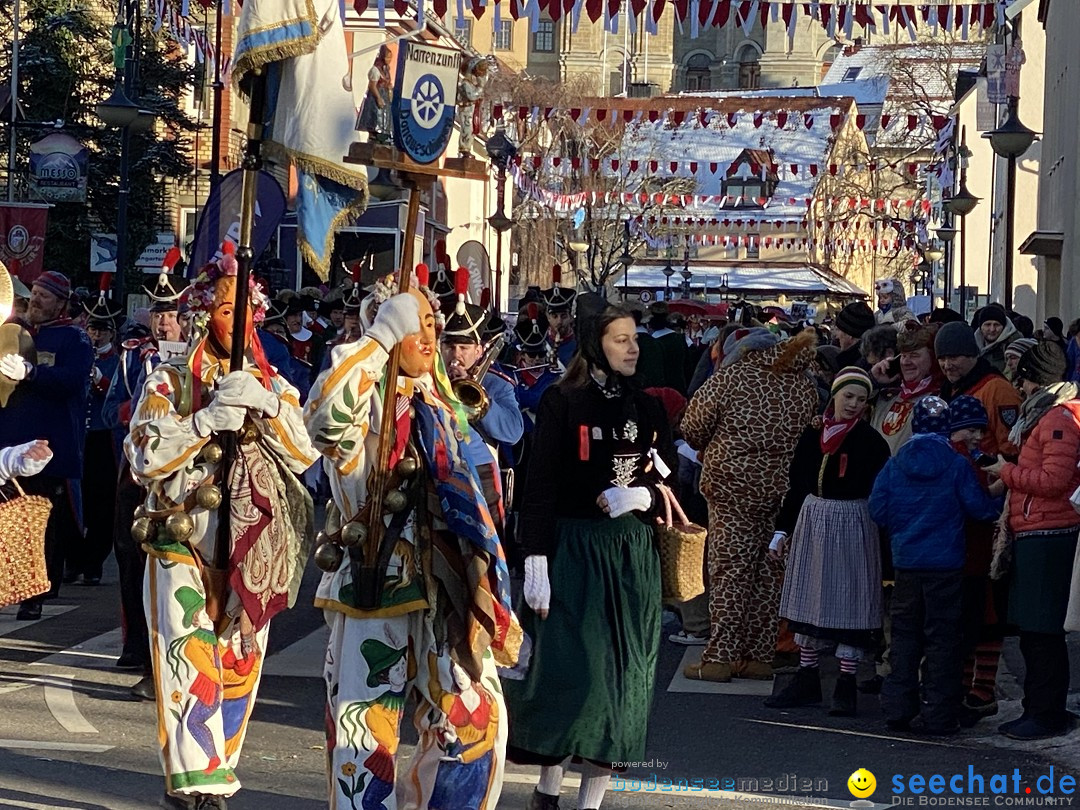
x: 219, y: 221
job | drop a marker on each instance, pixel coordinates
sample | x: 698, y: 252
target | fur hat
x: 912, y: 336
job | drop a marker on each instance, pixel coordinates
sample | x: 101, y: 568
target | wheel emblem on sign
x: 427, y: 101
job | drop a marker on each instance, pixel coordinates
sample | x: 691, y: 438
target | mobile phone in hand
x: 894, y: 367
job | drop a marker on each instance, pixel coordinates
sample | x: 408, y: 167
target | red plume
x: 533, y: 311
x: 461, y: 281
x: 171, y: 258
x: 354, y: 271
x: 556, y: 275
x: 106, y: 280
x: 485, y: 297
x: 228, y: 248
x: 422, y: 274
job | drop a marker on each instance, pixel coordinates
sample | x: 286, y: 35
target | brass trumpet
x: 469, y: 391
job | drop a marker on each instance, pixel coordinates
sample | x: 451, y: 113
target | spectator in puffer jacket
x: 922, y: 498
x: 1045, y: 526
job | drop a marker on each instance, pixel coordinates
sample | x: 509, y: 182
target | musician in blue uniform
x: 559, y: 303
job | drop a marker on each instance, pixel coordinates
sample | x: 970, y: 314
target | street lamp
x: 686, y: 274
x: 669, y: 271
x: 501, y: 151
x: 724, y: 288
x: 946, y: 233
x: 626, y: 259
x: 961, y: 204
x: 117, y: 111
x: 1010, y: 141
x: 934, y: 251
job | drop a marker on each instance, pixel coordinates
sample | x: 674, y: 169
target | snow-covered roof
x: 750, y: 279
x: 785, y: 136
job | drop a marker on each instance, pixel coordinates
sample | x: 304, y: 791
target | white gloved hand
x: 397, y: 317
x: 617, y: 501
x: 24, y: 460
x: 14, y: 367
x: 776, y: 546
x: 96, y: 375
x: 537, y: 584
x: 218, y: 418
x: 240, y: 389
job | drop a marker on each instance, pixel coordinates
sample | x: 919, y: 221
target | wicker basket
x: 682, y: 552
x: 22, y: 546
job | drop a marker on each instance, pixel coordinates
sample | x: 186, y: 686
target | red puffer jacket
x: 1046, y: 475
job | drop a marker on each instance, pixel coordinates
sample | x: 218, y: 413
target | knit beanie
x: 955, y: 339
x: 967, y: 412
x: 1019, y: 346
x: 828, y: 358
x: 56, y: 283
x: 856, y: 318
x: 991, y: 312
x: 945, y: 315
x: 931, y: 416
x: 1043, y: 364
x: 851, y: 375
x: 743, y: 341
x: 1056, y: 326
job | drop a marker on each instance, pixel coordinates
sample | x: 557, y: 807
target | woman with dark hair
x: 592, y: 575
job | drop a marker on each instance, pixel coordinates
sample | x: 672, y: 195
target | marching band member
x: 208, y: 630
x: 430, y: 616
x: 559, y: 303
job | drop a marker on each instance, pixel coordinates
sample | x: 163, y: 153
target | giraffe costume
x: 746, y: 419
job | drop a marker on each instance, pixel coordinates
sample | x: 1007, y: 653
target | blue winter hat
x: 931, y: 416
x: 967, y: 412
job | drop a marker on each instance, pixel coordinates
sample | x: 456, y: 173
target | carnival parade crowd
x: 901, y: 493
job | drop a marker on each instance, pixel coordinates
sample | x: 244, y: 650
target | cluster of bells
x: 178, y: 527
x: 330, y: 553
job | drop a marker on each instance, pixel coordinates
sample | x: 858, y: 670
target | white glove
x: 96, y: 375
x: 14, y: 367
x: 776, y: 546
x: 397, y: 317
x: 17, y: 461
x: 240, y: 389
x: 617, y: 501
x: 537, y: 584
x: 218, y: 418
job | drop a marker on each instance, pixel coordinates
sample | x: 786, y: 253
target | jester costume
x: 206, y: 673
x: 442, y: 612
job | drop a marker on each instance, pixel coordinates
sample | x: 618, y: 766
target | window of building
x: 544, y: 37
x: 745, y: 193
x: 749, y: 72
x: 753, y: 250
x: 698, y: 73
x: 851, y: 74
x: 503, y: 35
x: 463, y: 31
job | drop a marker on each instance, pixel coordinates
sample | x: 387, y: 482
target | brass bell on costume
x: 353, y: 534
x: 211, y: 453
x: 328, y: 556
x: 208, y: 496
x: 179, y: 527
x: 395, y: 501
x: 333, y: 518
x: 407, y: 467
x: 142, y: 529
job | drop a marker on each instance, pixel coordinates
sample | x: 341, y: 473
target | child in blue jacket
x: 922, y: 498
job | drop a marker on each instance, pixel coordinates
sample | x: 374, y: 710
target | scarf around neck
x: 912, y: 390
x: 834, y: 431
x: 1037, y: 405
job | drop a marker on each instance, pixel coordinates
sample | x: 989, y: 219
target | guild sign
x: 425, y: 99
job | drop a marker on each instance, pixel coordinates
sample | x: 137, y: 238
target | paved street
x: 72, y: 739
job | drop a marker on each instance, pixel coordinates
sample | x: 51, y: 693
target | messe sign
x: 58, y: 169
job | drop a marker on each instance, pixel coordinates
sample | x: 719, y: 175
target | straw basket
x: 682, y: 552
x: 22, y: 546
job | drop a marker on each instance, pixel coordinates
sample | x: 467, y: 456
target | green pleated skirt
x: 589, y: 686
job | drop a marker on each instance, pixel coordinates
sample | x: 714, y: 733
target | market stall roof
x: 748, y: 279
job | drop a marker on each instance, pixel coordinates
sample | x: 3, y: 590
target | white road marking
x: 42, y: 745
x: 61, y: 702
x: 853, y: 733
x: 35, y: 806
x: 301, y: 659
x: 97, y: 652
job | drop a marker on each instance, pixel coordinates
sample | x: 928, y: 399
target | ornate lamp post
x: 669, y: 271
x: 501, y: 150
x: 961, y: 204
x: 686, y: 274
x: 1010, y: 141
x: 626, y: 259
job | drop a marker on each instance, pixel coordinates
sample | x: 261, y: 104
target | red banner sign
x: 22, y: 239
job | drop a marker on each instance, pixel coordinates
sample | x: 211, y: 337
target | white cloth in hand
x: 218, y: 418
x: 617, y: 501
x: 397, y: 317
x: 240, y: 389
x: 14, y: 367
x: 779, y: 540
x: 15, y: 462
x: 537, y: 584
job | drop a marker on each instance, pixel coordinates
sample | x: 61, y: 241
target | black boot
x: 145, y: 689
x: 844, y: 696
x: 803, y: 690
x: 541, y: 801
x: 170, y: 802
